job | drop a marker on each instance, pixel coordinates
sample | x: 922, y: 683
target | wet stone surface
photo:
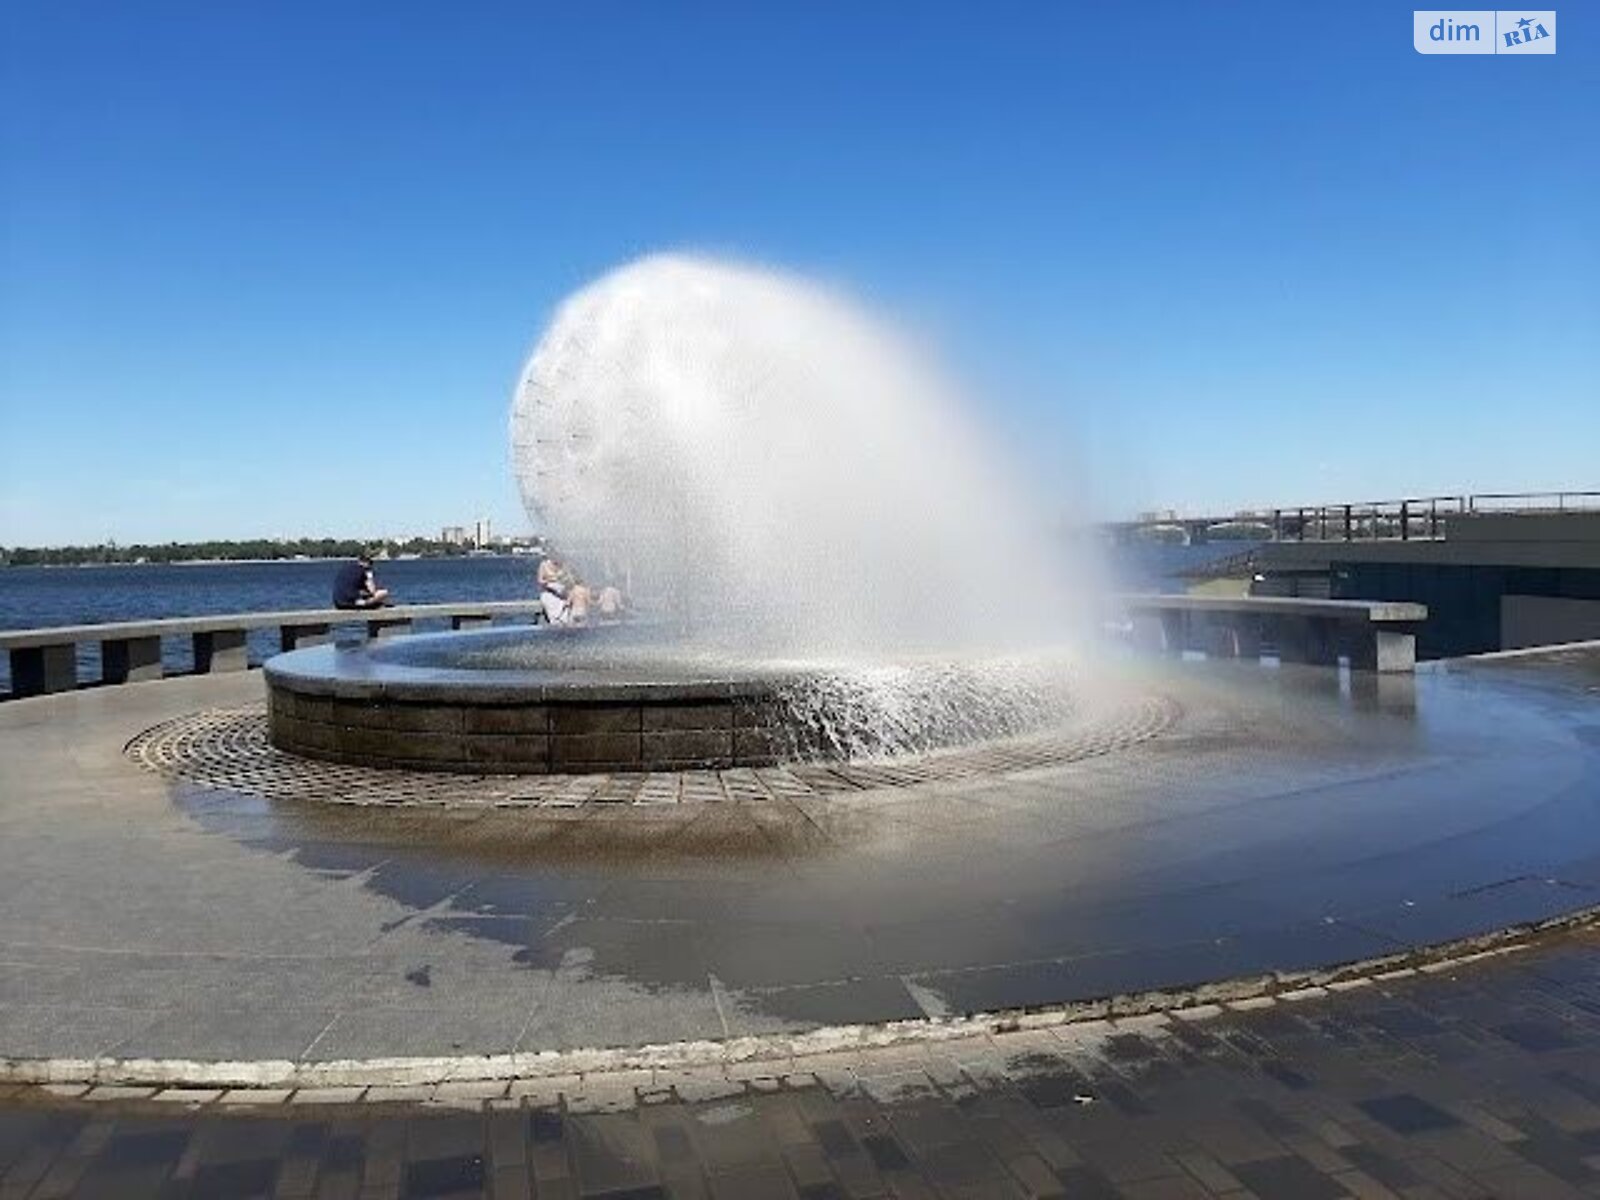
x: 635, y: 698
x: 1400, y: 1088
x: 1277, y: 822
x: 228, y: 750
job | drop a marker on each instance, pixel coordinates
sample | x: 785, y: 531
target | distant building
x: 453, y: 535
x: 481, y: 534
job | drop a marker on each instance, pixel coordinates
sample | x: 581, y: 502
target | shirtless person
x: 564, y: 599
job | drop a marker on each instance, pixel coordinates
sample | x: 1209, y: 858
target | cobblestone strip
x: 227, y: 750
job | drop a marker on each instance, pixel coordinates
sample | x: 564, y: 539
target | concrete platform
x: 1287, y: 821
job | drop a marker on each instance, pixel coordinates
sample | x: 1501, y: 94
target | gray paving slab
x: 228, y: 1031
x: 1281, y: 824
x: 68, y: 1030
x: 375, y: 1032
x: 586, y: 1014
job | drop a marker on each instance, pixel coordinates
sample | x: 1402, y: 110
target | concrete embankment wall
x: 1494, y: 581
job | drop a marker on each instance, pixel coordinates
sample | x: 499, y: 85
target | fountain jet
x: 771, y: 467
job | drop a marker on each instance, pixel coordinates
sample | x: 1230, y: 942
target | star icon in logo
x: 1525, y: 22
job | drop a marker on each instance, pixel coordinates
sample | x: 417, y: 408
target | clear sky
x: 273, y: 268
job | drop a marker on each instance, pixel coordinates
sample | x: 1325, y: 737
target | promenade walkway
x: 1190, y: 962
x: 1481, y: 1081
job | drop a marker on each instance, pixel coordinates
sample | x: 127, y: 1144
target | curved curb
x: 407, y: 1079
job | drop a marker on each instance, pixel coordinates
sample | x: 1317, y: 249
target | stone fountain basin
x: 523, y: 701
x: 632, y: 698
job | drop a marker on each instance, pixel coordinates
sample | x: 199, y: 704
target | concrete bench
x: 46, y: 660
x: 1374, y: 635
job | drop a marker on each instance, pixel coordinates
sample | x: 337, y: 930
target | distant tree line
x: 260, y: 548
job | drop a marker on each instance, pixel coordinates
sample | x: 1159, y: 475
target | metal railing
x: 1409, y: 517
x: 1534, y: 502
x: 1415, y: 517
x: 1418, y: 517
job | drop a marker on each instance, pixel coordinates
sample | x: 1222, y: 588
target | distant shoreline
x: 233, y: 562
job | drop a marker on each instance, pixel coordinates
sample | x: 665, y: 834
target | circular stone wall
x: 544, y: 701
x: 351, y: 706
x: 463, y: 729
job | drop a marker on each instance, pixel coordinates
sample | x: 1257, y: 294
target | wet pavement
x: 1285, y: 821
x: 1478, y: 1081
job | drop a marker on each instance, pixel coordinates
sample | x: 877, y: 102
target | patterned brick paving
x: 1484, y: 1081
x: 227, y: 750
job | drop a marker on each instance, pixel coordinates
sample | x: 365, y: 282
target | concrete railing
x: 46, y: 660
x: 1374, y: 635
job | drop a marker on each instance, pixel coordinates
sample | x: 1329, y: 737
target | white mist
x: 771, y: 467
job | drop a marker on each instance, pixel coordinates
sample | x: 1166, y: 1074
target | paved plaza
x: 1477, y: 1081
x: 1273, y: 825
x: 1192, y: 948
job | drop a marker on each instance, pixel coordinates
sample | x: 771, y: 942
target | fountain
x: 841, y: 766
x: 824, y: 555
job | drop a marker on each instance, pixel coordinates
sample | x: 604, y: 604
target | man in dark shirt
x: 353, y: 586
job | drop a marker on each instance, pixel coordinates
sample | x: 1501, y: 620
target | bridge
x: 1413, y: 518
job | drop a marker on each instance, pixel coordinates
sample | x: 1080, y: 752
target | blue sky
x: 272, y: 269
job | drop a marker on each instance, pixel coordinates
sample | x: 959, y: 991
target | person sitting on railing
x: 354, y: 586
